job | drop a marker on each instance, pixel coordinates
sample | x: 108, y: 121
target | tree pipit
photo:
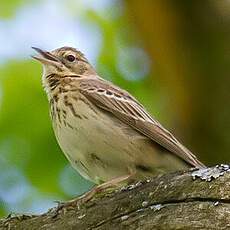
x: 105, y: 133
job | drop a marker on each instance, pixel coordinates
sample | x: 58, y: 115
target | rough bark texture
x: 180, y: 200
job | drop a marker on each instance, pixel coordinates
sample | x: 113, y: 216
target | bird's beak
x: 46, y: 57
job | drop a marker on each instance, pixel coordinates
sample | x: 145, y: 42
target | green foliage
x: 8, y: 8
x: 27, y: 141
x: 24, y: 120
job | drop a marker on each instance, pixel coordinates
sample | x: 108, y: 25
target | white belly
x: 100, y: 146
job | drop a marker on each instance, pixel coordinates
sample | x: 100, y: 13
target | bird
x: 106, y: 134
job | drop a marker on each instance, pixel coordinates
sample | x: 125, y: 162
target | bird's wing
x: 130, y: 111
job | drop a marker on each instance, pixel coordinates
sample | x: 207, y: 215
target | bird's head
x: 64, y: 61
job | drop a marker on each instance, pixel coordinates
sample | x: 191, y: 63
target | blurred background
x: 174, y: 56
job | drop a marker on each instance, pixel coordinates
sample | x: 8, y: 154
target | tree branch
x: 180, y: 200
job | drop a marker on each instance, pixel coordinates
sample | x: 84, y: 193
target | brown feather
x: 130, y: 111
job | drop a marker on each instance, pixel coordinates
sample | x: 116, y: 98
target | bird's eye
x: 70, y: 58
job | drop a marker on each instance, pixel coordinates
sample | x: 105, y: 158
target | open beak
x: 46, y: 57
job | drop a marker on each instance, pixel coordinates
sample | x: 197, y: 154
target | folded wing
x: 130, y: 111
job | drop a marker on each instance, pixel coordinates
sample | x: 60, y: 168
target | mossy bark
x: 170, y: 201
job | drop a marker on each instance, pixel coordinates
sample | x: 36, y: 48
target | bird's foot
x: 78, y: 201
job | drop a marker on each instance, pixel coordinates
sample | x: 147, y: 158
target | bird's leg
x: 109, y: 184
x: 89, y: 195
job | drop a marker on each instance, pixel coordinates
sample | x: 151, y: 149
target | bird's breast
x: 87, y: 134
x: 98, y: 144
